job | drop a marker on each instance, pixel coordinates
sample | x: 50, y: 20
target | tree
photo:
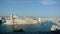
x: 0, y: 22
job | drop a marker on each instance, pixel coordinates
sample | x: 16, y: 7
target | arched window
x: 34, y: 19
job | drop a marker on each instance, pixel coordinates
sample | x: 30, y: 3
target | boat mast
x: 13, y: 22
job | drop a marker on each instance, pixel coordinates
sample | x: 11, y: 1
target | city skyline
x: 34, y: 8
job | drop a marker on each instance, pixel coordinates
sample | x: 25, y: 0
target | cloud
x: 49, y: 2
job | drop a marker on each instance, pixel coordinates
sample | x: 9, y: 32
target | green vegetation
x: 0, y: 22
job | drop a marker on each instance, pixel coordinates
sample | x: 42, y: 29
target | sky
x: 33, y: 8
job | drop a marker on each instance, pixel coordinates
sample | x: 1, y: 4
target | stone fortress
x: 16, y: 20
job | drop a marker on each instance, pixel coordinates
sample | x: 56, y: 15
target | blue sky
x: 33, y: 8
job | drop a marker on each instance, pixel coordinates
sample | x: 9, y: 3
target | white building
x: 15, y: 20
x: 0, y: 17
x: 19, y: 20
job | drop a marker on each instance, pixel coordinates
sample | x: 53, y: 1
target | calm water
x: 29, y: 33
x: 29, y: 28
